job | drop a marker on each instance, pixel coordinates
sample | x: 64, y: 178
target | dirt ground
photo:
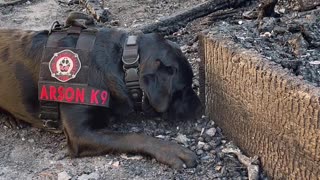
x: 31, y: 153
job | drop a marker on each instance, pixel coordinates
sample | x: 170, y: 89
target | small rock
x: 23, y: 139
x: 198, y: 128
x: 205, y: 158
x: 199, y: 152
x: 207, y: 139
x: 207, y: 147
x: 214, y: 143
x: 200, y: 139
x: 59, y: 157
x: 282, y: 10
x: 211, y: 132
x: 136, y: 129
x: 181, y: 138
x: 200, y: 145
x: 184, y: 48
x: 161, y: 136
x: 28, y: 3
x: 218, y: 168
x: 18, y: 21
x: 115, y: 22
x: 124, y: 156
x: 63, y: 176
x: 136, y: 25
x: 315, y: 62
x: 93, y: 175
x: 202, y: 130
x: 266, y: 34
x: 116, y: 164
x: 31, y: 140
x: 87, y: 170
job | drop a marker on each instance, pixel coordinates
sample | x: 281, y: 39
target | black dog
x: 165, y: 78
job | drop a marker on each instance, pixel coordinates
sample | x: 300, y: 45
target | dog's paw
x: 175, y: 156
x: 12, y: 123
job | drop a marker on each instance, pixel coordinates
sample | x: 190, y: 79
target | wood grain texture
x: 262, y: 108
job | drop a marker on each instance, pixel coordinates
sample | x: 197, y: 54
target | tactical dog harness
x: 64, y: 74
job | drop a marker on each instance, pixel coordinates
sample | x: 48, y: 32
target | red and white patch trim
x: 64, y: 65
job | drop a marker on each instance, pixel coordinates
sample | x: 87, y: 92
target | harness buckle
x: 130, y: 60
x: 50, y: 124
x: 127, y: 62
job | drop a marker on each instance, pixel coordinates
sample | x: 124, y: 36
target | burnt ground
x: 291, y: 40
x: 31, y: 153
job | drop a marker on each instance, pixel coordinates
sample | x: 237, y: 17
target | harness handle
x: 74, y: 16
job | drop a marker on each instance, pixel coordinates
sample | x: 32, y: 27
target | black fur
x: 165, y: 77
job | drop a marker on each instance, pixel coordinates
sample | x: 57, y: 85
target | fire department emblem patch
x: 64, y: 65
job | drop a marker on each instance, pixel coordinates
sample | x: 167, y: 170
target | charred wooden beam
x: 177, y: 21
x: 223, y: 15
x: 262, y: 108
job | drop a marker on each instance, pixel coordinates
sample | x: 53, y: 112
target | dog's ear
x: 166, y: 77
x: 156, y: 81
x: 185, y: 104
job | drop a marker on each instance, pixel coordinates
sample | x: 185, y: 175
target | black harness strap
x: 49, y: 110
x: 130, y: 60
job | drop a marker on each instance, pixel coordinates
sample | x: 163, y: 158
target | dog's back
x: 19, y: 69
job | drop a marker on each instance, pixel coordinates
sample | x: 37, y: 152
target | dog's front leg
x: 86, y: 141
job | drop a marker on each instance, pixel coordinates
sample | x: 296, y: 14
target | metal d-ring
x: 54, y: 26
x: 126, y: 63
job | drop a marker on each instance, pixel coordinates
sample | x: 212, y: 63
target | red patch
x: 75, y: 94
x: 64, y: 65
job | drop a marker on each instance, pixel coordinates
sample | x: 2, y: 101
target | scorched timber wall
x: 262, y: 108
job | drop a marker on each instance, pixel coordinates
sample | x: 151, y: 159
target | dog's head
x: 166, y: 79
